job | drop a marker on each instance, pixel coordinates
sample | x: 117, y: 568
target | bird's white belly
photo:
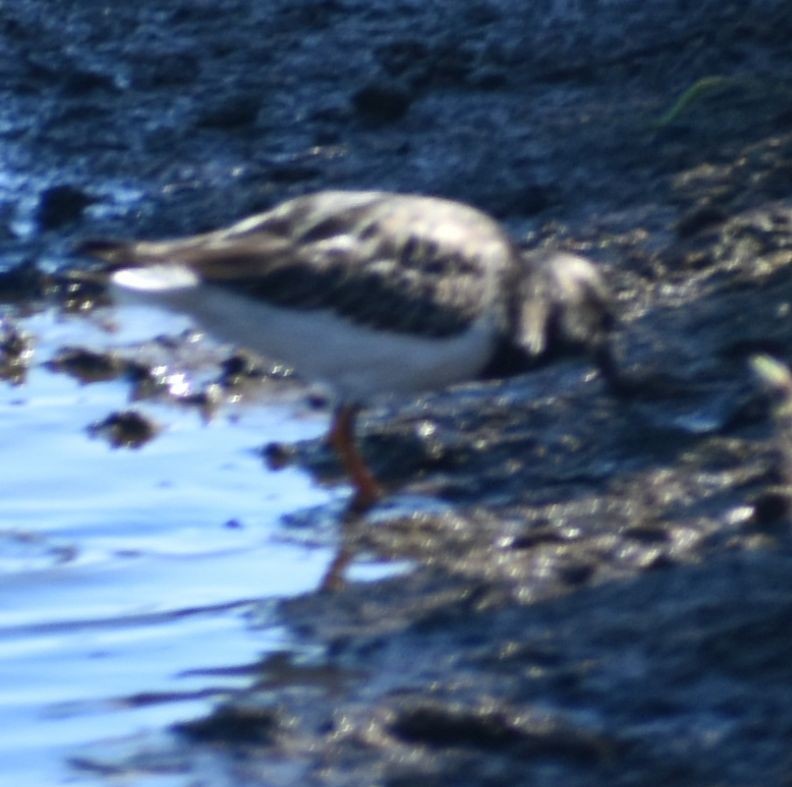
x: 356, y: 361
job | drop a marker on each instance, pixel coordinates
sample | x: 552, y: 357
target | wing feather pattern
x: 396, y: 262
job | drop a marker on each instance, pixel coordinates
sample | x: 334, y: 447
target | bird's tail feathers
x: 114, y: 252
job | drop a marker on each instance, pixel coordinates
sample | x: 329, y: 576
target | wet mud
x: 599, y: 590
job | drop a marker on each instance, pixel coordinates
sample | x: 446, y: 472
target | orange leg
x: 335, y: 576
x: 342, y: 438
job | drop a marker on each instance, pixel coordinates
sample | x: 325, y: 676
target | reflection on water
x: 127, y: 575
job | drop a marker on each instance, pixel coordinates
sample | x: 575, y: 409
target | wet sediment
x: 602, y: 595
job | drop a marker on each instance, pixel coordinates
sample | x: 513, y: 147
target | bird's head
x: 565, y: 306
x: 562, y: 307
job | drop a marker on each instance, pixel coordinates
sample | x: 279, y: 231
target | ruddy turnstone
x: 372, y: 292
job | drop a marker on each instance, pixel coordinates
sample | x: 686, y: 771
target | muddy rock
x: 597, y: 590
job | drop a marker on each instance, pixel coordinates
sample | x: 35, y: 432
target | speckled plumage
x: 406, y: 264
x: 371, y: 292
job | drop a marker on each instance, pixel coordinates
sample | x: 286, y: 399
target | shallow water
x: 129, y: 575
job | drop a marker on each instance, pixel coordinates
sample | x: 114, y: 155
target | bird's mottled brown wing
x: 405, y: 263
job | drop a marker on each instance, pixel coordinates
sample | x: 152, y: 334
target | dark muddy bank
x: 603, y: 598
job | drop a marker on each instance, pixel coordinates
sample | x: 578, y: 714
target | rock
x: 381, y: 102
x: 61, y: 205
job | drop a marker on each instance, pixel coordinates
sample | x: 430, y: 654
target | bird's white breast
x: 356, y: 361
